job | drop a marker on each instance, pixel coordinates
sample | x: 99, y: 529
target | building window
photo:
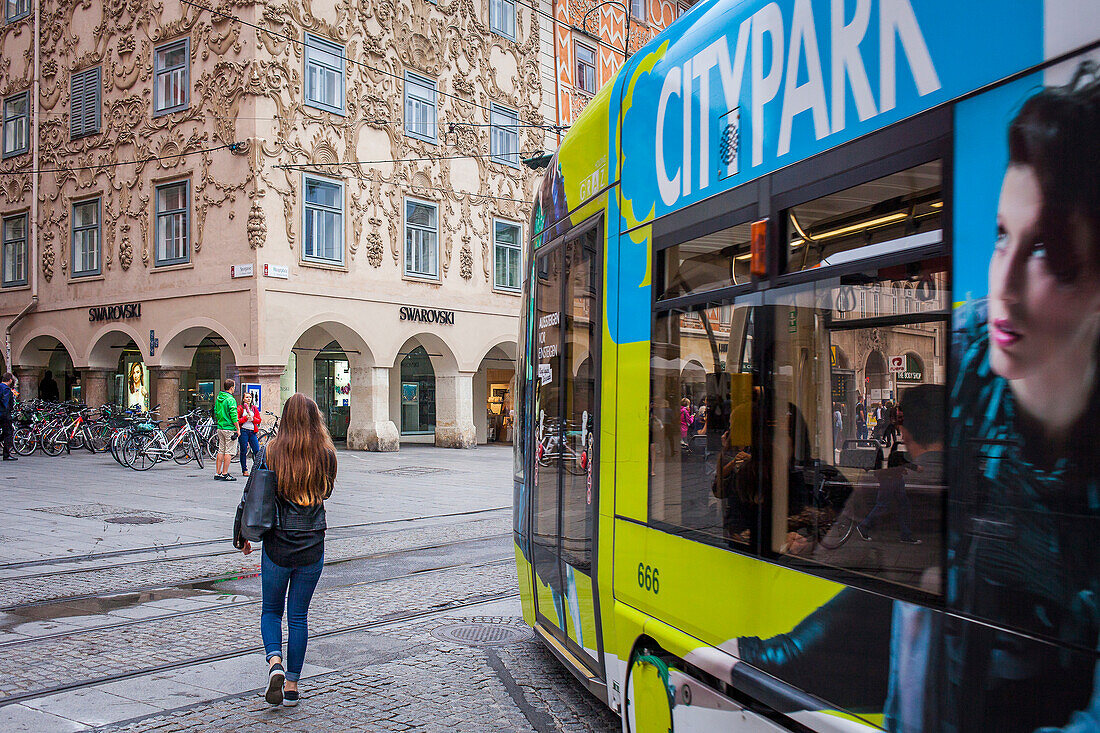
x: 502, y: 17
x: 84, y: 96
x: 323, y: 225
x: 15, y: 251
x: 504, y: 135
x: 506, y: 255
x: 17, y: 122
x: 172, y: 74
x: 637, y: 10
x: 86, y: 238
x: 324, y: 74
x: 16, y: 9
x: 173, y: 237
x: 586, y: 68
x: 421, y: 239
x: 420, y: 110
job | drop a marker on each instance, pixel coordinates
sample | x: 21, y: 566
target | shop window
x: 417, y: 393
x: 16, y: 9
x: 86, y: 238
x: 420, y: 107
x: 172, y: 77
x: 17, y: 120
x: 586, y: 67
x: 14, y: 254
x: 507, y: 255
x: 637, y: 10
x: 893, y: 214
x: 856, y: 464
x: 323, y: 220
x: 84, y: 103
x: 173, y: 231
x: 504, y: 135
x: 704, y: 480
x: 709, y: 262
x: 421, y: 239
x: 324, y: 78
x: 502, y: 17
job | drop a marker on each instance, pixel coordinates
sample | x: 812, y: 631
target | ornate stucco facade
x: 251, y: 298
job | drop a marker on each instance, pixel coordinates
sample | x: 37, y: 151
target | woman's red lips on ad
x: 1004, y: 332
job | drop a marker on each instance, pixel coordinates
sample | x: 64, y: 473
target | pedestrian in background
x: 304, y: 462
x: 47, y: 388
x: 7, y: 413
x: 225, y: 415
x: 248, y: 420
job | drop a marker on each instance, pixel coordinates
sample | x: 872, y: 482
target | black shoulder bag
x: 256, y: 512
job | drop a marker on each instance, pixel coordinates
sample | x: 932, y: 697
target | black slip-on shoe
x: 275, y: 677
x: 290, y: 698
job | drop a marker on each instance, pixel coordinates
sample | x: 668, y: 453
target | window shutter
x: 93, y: 86
x: 76, y: 106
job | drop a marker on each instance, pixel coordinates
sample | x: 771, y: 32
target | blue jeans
x: 248, y: 439
x: 275, y: 579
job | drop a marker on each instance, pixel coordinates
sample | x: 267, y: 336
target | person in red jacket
x: 248, y: 417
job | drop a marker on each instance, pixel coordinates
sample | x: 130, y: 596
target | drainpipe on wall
x: 32, y: 255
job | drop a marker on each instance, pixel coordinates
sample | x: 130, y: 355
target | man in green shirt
x: 225, y: 415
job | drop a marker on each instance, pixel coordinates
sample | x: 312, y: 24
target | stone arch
x: 334, y: 325
x: 178, y: 346
x: 914, y: 357
x: 40, y: 350
x: 444, y: 358
x: 876, y: 372
x: 104, y: 344
x: 494, y: 391
x: 453, y: 393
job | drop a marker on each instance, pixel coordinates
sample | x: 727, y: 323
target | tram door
x: 564, y: 505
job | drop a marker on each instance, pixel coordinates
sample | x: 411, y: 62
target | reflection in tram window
x: 703, y: 478
x: 857, y: 443
x: 712, y: 261
x: 891, y: 214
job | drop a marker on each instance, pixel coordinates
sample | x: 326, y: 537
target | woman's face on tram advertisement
x: 1040, y: 324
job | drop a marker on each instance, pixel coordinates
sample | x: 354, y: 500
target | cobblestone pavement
x: 152, y: 572
x: 425, y: 685
x: 153, y: 627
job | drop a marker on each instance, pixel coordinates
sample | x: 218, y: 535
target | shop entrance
x: 200, y: 384
x: 332, y: 388
x: 129, y: 386
x: 417, y: 393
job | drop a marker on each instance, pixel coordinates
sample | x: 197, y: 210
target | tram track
x: 163, y: 549
x: 389, y: 620
x: 331, y: 591
x: 217, y: 579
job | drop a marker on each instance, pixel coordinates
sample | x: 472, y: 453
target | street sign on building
x: 897, y: 364
x: 245, y: 270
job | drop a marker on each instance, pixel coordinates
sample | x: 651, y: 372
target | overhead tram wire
x: 99, y: 166
x: 302, y: 166
x: 377, y: 70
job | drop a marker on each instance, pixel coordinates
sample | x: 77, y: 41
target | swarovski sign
x: 427, y: 315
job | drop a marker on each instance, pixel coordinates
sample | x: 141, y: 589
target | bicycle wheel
x: 117, y: 441
x: 263, y: 438
x: 52, y: 445
x: 184, y: 452
x: 212, y: 446
x: 25, y: 441
x: 77, y: 441
x: 196, y: 448
x: 143, y: 459
x: 838, y: 532
x: 101, y: 438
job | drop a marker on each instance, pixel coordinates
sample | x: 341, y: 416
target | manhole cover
x: 481, y: 634
x: 411, y: 471
x: 134, y: 519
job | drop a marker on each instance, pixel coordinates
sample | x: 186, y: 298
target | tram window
x: 898, y: 212
x: 710, y: 262
x: 856, y: 464
x: 703, y: 478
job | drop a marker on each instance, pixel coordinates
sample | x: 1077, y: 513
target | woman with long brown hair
x: 304, y: 462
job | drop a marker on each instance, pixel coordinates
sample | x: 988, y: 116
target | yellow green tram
x: 779, y: 460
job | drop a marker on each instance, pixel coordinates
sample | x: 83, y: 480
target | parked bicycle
x: 267, y: 434
x: 144, y: 449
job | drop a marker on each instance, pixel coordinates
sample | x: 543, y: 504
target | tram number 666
x: 648, y: 578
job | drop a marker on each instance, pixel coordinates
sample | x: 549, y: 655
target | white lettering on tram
x: 765, y: 31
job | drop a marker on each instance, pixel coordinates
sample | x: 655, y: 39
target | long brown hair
x: 302, y: 455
